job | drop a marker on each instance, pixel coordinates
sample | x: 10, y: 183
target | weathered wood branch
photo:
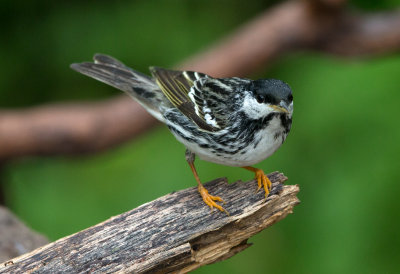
x: 174, y: 233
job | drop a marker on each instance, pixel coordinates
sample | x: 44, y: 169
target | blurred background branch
x: 293, y: 25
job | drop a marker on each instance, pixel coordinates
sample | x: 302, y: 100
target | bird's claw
x: 211, y: 200
x: 263, y: 181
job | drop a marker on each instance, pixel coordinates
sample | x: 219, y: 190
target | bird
x: 229, y: 121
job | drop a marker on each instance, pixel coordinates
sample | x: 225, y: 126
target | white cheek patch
x: 255, y: 110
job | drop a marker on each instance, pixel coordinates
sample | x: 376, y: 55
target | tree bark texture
x: 174, y: 233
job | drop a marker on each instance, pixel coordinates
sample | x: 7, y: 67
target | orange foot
x: 210, y: 199
x: 262, y: 179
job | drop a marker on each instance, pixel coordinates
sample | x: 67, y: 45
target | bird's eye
x: 290, y: 98
x: 260, y: 99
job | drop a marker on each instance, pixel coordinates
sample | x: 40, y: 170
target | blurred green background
x: 343, y: 150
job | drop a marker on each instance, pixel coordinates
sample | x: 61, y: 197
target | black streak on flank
x: 256, y: 143
x: 204, y: 145
x: 276, y: 136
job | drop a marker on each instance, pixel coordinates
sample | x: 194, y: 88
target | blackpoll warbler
x: 229, y: 121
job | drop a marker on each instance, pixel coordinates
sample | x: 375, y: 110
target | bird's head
x: 265, y: 96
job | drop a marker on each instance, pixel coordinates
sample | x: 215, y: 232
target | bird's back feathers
x: 178, y: 87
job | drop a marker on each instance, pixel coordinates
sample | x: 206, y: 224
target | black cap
x: 271, y: 91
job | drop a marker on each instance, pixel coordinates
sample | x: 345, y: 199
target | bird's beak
x: 280, y: 108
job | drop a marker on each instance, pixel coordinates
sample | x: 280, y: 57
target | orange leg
x: 207, y: 198
x: 262, y: 179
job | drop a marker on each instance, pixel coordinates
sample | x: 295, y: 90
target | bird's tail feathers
x: 114, y: 73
